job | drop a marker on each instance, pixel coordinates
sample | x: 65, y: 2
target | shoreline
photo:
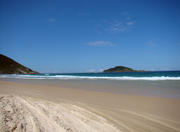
x: 162, y: 89
x: 126, y: 111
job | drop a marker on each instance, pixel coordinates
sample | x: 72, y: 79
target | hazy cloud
x: 151, y: 43
x: 130, y: 23
x: 124, y: 23
x: 100, y: 43
x: 178, y: 44
x: 118, y: 27
x: 51, y: 19
x: 126, y: 15
x: 94, y: 70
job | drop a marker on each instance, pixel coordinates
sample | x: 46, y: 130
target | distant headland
x: 9, y: 66
x: 122, y: 69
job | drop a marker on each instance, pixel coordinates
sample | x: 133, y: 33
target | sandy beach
x: 27, y: 106
x: 89, y: 66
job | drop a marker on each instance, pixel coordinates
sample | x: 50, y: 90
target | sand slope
x: 25, y: 114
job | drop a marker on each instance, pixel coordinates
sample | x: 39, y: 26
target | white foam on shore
x: 70, y: 77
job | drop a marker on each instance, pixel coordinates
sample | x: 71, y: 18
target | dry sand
x: 35, y: 115
x: 25, y: 107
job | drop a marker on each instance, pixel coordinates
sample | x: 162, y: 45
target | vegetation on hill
x: 121, y: 69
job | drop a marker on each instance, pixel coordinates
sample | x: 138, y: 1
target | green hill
x: 121, y: 69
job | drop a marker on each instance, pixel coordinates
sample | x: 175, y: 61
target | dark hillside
x: 9, y: 66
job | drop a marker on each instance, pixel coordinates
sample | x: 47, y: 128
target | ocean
x: 151, y: 76
x: 157, y: 83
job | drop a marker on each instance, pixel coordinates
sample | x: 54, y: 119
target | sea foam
x: 73, y: 77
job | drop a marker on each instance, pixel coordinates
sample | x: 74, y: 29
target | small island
x: 9, y: 66
x: 122, y: 69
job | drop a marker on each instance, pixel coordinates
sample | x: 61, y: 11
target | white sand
x: 25, y: 114
x: 47, y: 107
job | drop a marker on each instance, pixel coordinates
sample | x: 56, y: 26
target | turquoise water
x: 156, y: 75
x: 128, y: 74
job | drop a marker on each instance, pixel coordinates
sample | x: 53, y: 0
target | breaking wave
x: 75, y: 77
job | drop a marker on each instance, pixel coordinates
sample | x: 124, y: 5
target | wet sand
x: 127, y: 112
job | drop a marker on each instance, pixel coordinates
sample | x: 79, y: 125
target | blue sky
x: 91, y: 35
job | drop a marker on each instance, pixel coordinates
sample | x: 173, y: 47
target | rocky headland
x: 9, y: 66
